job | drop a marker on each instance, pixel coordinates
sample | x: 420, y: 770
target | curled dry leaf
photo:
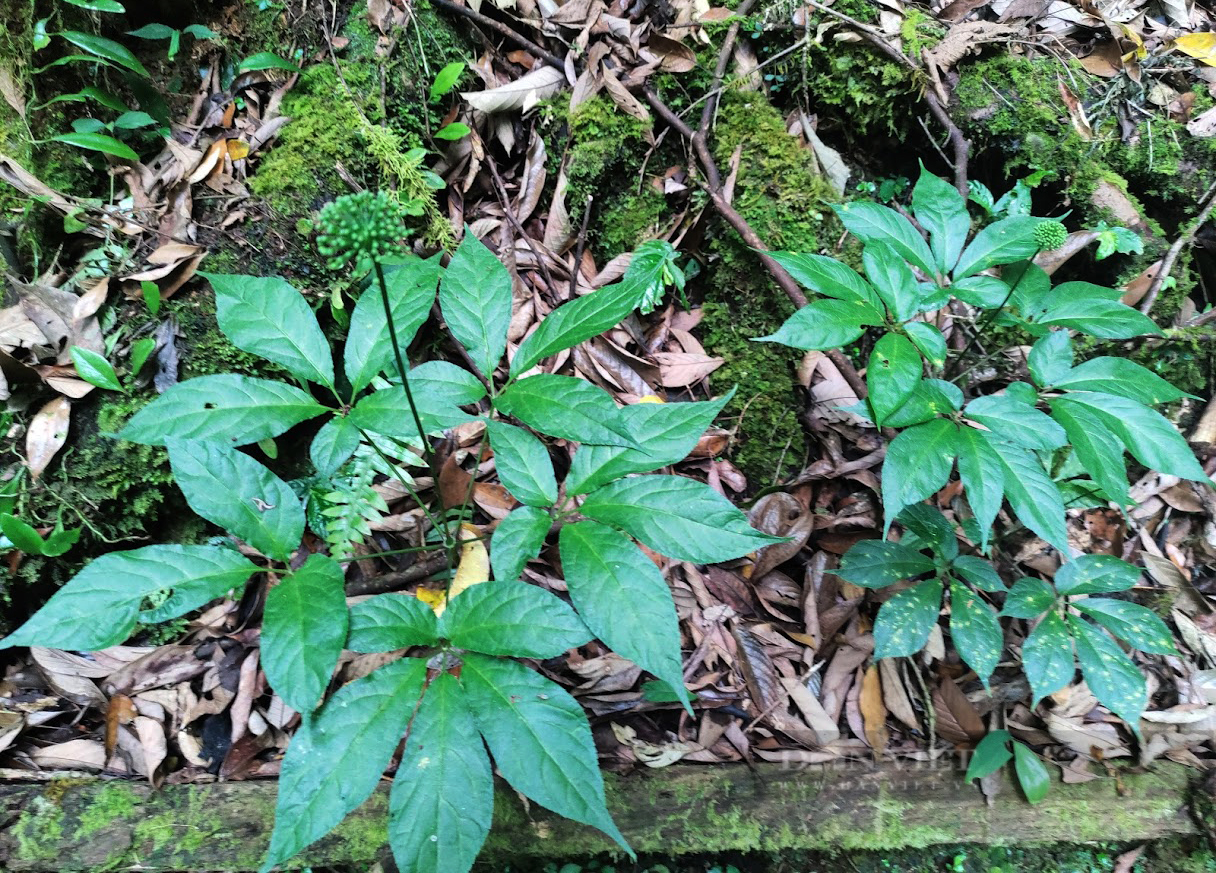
x: 674, y: 57
x: 120, y: 711
x: 874, y: 712
x: 779, y: 514
x: 48, y: 431
x: 524, y: 93
x: 62, y: 675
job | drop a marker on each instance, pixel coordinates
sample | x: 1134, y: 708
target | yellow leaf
x: 1200, y: 46
x: 1140, y: 52
x: 650, y: 398
x: 472, y: 569
x: 237, y: 149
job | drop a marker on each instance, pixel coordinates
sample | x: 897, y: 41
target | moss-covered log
x: 75, y: 824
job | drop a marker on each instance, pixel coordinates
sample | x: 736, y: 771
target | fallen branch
x: 1167, y: 263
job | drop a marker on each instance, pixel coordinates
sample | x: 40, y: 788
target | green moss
x: 39, y: 825
x: 631, y: 218
x: 920, y: 32
x: 866, y: 92
x: 786, y: 205
x: 112, y: 802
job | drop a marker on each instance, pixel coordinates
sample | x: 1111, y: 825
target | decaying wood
x: 79, y: 824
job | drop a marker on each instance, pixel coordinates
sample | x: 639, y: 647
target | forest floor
x: 586, y: 129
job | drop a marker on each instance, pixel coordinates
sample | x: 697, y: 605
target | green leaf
x: 1029, y: 598
x: 512, y: 619
x: 1032, y: 774
x: 200, y: 31
x: 574, y: 322
x: 539, y: 738
x: 979, y: 573
x: 929, y: 399
x: 624, y: 599
x: 1117, y: 239
x: 872, y: 223
x: 678, y: 517
x: 894, y: 371
x: 929, y: 524
x: 1107, y: 319
x: 1022, y: 392
x: 1047, y: 657
x: 97, y: 608
x: 990, y: 755
x: 523, y: 464
x: 98, y: 142
x: 1003, y: 242
x: 823, y: 324
x: 942, y: 211
x: 269, y: 318
x: 1150, y: 438
x: 232, y: 490
x: 1015, y: 422
x: 446, y: 79
x: 133, y: 120
x: 150, y: 31
x: 89, y: 92
x: 667, y: 432
x: 1110, y: 674
x: 333, y: 445
x: 1119, y: 376
x: 336, y: 758
x: 877, y: 564
x: 892, y: 278
x: 905, y: 621
x: 986, y: 292
x: 369, y: 346
x: 454, y: 131
x: 566, y: 407
x: 388, y: 622
x: 976, y: 632
x: 917, y: 465
x: 1097, y: 449
x: 141, y: 349
x: 21, y: 534
x: 303, y: 631
x: 234, y: 409
x: 1095, y: 574
x: 1032, y: 494
x: 388, y: 412
x: 517, y: 540
x: 442, y: 799
x: 441, y: 379
x: 95, y: 369
x: 475, y: 296
x: 1131, y: 622
x: 265, y: 61
x: 929, y: 340
x: 829, y: 277
x: 983, y: 477
x: 105, y: 48
x: 1050, y: 357
x: 99, y: 5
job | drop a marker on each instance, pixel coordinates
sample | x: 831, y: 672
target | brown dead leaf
x: 11, y: 91
x: 47, y: 434
x: 76, y: 755
x: 874, y: 712
x: 522, y: 93
x: 957, y: 719
x: 120, y: 711
x: 681, y: 369
x: 779, y: 514
x: 674, y: 57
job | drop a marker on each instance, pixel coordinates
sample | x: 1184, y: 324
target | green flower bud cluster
x: 358, y: 226
x: 1050, y: 235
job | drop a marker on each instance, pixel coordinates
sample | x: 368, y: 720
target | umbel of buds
x: 357, y: 226
x: 1050, y: 235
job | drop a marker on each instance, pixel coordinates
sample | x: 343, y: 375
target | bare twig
x: 579, y: 246
x: 504, y: 201
x: 1167, y: 263
x: 728, y: 48
x: 544, y: 54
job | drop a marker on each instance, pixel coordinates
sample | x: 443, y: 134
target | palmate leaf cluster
x: 1036, y: 447
x: 462, y: 699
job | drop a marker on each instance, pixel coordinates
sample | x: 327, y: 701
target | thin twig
x: 1167, y: 263
x: 501, y: 191
x: 579, y: 246
x: 545, y: 55
x: 728, y: 48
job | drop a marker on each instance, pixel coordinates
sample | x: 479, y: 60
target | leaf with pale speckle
x: 975, y: 631
x: 1138, y: 625
x: 904, y: 622
x: 1112, y: 677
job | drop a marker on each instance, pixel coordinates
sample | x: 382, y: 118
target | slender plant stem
x: 409, y: 489
x: 991, y: 315
x: 405, y: 379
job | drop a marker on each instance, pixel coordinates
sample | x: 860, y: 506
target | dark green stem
x: 405, y: 381
x: 993, y: 313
